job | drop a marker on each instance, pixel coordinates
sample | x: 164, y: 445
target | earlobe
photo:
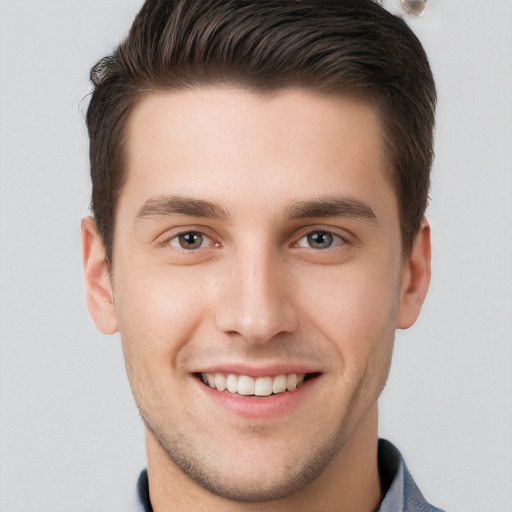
x: 98, y: 286
x: 415, y: 279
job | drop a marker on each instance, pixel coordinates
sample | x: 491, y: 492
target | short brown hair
x: 350, y: 47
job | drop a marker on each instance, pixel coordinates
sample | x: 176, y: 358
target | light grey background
x: 70, y: 438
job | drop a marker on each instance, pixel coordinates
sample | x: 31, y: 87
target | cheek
x: 356, y: 311
x: 158, y: 311
x: 355, y: 297
x: 157, y: 316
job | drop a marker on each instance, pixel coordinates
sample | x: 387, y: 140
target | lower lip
x: 262, y: 407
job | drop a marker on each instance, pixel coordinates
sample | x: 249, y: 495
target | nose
x: 256, y: 298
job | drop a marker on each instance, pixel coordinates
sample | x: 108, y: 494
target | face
x: 257, y: 248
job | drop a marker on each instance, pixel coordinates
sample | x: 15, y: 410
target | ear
x: 415, y: 278
x: 98, y: 286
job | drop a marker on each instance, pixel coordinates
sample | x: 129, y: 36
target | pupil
x: 191, y: 240
x: 320, y: 240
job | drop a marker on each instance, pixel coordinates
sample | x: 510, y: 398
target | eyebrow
x: 333, y: 206
x: 324, y: 206
x: 178, y: 205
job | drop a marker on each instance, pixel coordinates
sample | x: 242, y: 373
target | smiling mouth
x: 255, y: 386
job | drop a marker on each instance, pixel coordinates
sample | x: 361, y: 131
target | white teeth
x: 263, y: 386
x: 279, y: 384
x: 291, y: 381
x: 210, y: 379
x: 246, y: 385
x: 232, y: 383
x: 220, y: 382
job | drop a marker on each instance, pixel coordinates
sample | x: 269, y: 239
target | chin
x: 255, y: 487
x: 253, y: 475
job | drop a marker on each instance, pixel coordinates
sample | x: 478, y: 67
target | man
x: 260, y: 176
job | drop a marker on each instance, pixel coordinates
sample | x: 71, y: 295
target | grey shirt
x: 402, y: 493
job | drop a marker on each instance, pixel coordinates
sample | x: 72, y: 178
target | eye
x: 190, y: 241
x: 320, y: 240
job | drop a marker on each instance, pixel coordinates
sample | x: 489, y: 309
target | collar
x: 403, y: 495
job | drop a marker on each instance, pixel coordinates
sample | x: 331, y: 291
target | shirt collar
x: 403, y: 495
x: 391, y: 472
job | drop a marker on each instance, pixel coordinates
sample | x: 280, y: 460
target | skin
x: 257, y: 294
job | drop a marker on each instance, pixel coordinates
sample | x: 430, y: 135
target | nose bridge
x: 256, y: 296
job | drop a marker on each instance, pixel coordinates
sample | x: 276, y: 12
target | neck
x: 350, y: 483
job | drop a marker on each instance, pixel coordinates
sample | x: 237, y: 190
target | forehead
x: 223, y: 144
